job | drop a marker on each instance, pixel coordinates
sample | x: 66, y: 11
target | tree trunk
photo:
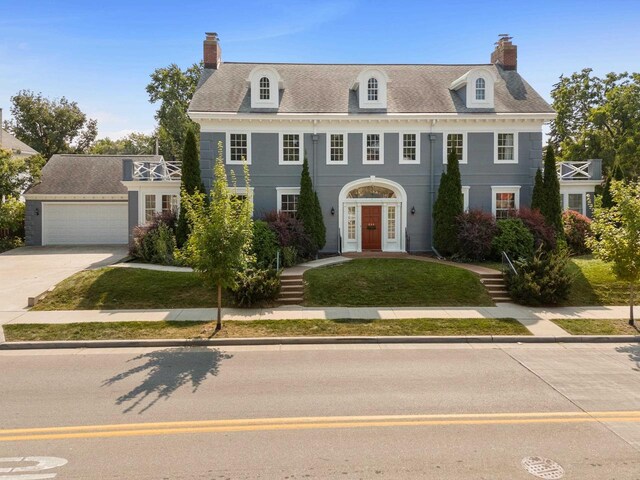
x: 631, y: 293
x: 219, y: 323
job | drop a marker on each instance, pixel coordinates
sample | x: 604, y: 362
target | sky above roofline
x: 101, y: 54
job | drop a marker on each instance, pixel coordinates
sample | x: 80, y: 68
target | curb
x: 223, y: 342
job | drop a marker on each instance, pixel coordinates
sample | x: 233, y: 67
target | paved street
x: 406, y: 411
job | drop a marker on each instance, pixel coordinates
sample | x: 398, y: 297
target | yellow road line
x: 274, y: 424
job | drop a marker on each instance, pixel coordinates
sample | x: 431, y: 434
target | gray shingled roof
x: 9, y: 142
x: 312, y: 88
x: 85, y: 174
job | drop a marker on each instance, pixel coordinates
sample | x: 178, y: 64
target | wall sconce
x: 37, y: 212
x: 333, y: 211
x: 413, y: 210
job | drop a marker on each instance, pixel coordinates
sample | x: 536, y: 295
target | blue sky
x: 100, y: 53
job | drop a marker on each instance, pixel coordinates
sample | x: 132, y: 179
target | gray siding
x: 33, y: 223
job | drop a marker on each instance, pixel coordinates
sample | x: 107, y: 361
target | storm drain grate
x: 543, y: 468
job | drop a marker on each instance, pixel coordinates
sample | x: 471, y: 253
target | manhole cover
x: 542, y: 468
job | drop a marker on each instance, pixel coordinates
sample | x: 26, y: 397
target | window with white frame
x: 409, y: 148
x: 372, y: 89
x: 290, y: 148
x: 149, y: 207
x: 239, y: 148
x: 289, y: 203
x: 506, y: 148
x: 391, y: 222
x: 265, y: 88
x: 455, y: 143
x: 465, y: 198
x: 337, y: 148
x: 169, y: 203
x: 505, y: 201
x: 480, y: 89
x: 574, y: 202
x: 351, y: 223
x: 373, y: 148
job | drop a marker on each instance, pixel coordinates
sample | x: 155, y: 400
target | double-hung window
x: 238, y: 148
x: 149, y: 207
x: 455, y: 142
x: 506, y: 148
x: 291, y: 148
x: 337, y: 149
x: 409, y: 148
x: 372, y: 89
x: 505, y: 201
x: 265, y: 88
x: 169, y: 203
x: 373, y: 148
x: 288, y: 200
x: 480, y: 89
x: 574, y: 202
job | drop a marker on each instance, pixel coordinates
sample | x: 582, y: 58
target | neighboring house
x: 578, y: 182
x: 93, y: 199
x: 376, y: 137
x: 9, y: 142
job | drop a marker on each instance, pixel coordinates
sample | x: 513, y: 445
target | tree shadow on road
x: 167, y: 371
x: 633, y: 351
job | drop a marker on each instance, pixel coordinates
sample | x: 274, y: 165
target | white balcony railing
x: 157, y: 171
x: 575, y: 170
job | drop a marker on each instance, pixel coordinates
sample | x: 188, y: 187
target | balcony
x: 156, y: 171
x: 583, y: 170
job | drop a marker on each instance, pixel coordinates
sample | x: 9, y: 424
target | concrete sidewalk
x: 537, y: 320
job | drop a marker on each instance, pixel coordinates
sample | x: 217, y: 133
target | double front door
x: 371, y: 227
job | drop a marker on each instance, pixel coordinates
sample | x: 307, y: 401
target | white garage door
x: 84, y: 223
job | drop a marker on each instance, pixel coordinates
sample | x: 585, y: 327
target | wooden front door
x: 372, y: 227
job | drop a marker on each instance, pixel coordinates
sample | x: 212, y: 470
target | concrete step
x: 501, y: 299
x: 294, y: 294
x: 488, y: 276
x: 291, y: 301
x: 289, y: 286
x: 286, y: 278
x: 498, y: 293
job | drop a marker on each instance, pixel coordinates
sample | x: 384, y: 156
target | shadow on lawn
x: 166, y: 372
x: 633, y: 352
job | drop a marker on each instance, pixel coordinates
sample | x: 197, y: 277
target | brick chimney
x: 212, y: 51
x: 506, y: 53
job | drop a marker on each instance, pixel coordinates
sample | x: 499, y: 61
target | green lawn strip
x: 596, y: 326
x: 129, y: 288
x: 393, y: 282
x: 263, y: 328
x: 595, y: 284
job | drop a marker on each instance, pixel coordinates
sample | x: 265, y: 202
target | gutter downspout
x: 432, y: 193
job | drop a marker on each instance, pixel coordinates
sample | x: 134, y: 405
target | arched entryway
x: 372, y: 215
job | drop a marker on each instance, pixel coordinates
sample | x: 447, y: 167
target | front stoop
x: 494, y: 283
x: 292, y: 290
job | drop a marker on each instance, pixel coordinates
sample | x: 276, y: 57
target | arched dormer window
x: 265, y: 90
x: 371, y: 86
x: 372, y: 89
x: 265, y: 84
x: 480, y: 89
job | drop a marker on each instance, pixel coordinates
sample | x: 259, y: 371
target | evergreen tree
x: 309, y: 211
x: 191, y: 182
x: 551, y: 206
x: 321, y: 230
x: 538, y: 192
x: 615, y: 174
x: 447, y: 208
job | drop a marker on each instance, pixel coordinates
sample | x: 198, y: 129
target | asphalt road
x: 304, y: 412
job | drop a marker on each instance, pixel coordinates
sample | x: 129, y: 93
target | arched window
x: 372, y: 89
x: 480, y: 89
x: 265, y: 89
x: 371, y: 191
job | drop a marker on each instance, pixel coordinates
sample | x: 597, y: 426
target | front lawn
x: 129, y: 288
x: 263, y: 328
x: 385, y: 282
x: 595, y: 284
x: 588, y: 326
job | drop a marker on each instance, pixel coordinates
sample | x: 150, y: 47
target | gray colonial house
x: 376, y: 138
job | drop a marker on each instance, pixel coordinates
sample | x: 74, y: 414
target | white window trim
x: 364, y: 148
x: 362, y: 83
x: 402, y: 161
x: 515, y: 148
x: 465, y: 198
x: 274, y: 87
x: 228, y: 147
x: 285, y: 191
x: 465, y: 147
x: 505, y: 189
x: 345, y: 137
x: 142, y: 200
x: 281, y: 145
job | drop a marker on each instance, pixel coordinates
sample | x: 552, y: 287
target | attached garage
x: 84, y: 223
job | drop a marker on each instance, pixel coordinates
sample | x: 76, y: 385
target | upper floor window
x: 337, y: 148
x: 480, y: 89
x: 506, y: 145
x: 291, y: 148
x: 238, y: 148
x: 455, y: 142
x: 372, y: 90
x: 265, y: 89
x: 373, y: 152
x: 409, y: 148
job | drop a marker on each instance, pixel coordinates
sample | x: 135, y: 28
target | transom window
x: 409, y: 147
x: 265, y: 89
x: 289, y: 204
x: 337, y: 148
x: 506, y: 147
x: 291, y: 146
x: 169, y: 203
x: 480, y: 89
x: 372, y: 89
x: 574, y: 201
x: 149, y: 207
x: 239, y: 147
x: 351, y: 223
x: 371, y: 191
x: 455, y: 143
x: 373, y: 148
x: 505, y: 204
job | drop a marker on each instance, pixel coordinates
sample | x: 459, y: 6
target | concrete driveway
x: 28, y: 271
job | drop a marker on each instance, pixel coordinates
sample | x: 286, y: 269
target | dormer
x: 265, y: 84
x: 371, y: 86
x: 477, y: 87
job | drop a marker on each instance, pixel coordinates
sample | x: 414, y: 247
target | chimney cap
x: 212, y: 36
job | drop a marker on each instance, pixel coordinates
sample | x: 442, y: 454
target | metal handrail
x: 437, y: 253
x: 339, y: 242
x: 507, y: 261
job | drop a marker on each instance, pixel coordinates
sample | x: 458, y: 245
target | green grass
x: 588, y: 326
x: 393, y: 282
x: 129, y: 288
x: 595, y: 284
x: 263, y: 328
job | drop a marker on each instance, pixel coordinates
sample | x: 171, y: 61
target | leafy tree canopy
x: 17, y: 173
x: 50, y: 126
x: 133, y: 144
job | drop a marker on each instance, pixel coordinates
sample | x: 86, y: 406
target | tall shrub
x: 265, y: 245
x: 551, y: 206
x: 513, y: 238
x: 448, y: 207
x: 476, y: 229
x: 191, y: 182
x: 577, y: 229
x: 535, y: 222
x: 309, y: 211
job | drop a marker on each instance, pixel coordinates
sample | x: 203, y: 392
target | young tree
x: 16, y: 173
x: 191, y: 182
x: 309, y: 211
x: 220, y: 242
x: 537, y: 198
x: 616, y: 235
x: 50, y: 126
x: 551, y: 206
x: 448, y: 206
